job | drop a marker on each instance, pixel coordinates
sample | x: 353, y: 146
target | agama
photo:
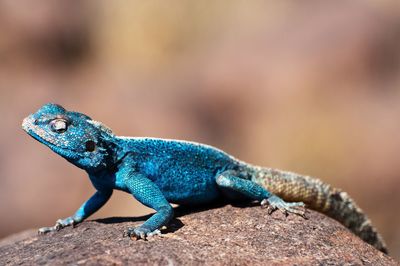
x: 158, y: 172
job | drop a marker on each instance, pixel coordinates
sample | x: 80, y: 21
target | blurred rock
x: 228, y: 235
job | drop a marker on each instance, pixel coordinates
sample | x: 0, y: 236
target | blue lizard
x: 158, y: 172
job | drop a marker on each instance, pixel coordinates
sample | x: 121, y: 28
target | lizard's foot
x: 61, y: 223
x: 274, y: 203
x: 141, y: 232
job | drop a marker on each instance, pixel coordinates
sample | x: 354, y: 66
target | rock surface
x: 225, y: 235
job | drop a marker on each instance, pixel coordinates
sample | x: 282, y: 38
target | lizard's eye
x: 59, y: 125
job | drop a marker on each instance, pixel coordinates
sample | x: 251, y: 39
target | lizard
x: 158, y: 172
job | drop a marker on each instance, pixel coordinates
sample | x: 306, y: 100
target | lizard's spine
x: 321, y: 197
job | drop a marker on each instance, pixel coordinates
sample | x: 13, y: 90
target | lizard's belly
x: 197, y: 188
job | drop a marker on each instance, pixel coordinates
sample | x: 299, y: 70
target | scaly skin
x: 158, y: 172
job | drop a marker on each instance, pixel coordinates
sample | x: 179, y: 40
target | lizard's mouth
x: 41, y: 135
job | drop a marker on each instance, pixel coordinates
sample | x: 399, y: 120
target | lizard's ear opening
x: 90, y: 146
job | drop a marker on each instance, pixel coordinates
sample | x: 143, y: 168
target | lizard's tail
x: 321, y: 197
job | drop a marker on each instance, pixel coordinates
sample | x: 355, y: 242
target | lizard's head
x: 75, y: 136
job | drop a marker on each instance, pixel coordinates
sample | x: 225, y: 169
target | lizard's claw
x: 45, y: 230
x: 60, y: 224
x: 274, y: 203
x: 140, y: 233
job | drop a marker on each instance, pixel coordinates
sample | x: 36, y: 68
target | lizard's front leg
x: 230, y: 180
x: 88, y: 208
x: 147, y: 193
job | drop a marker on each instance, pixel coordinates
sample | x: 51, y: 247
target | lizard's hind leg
x: 231, y: 182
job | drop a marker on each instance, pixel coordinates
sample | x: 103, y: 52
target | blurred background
x: 306, y: 86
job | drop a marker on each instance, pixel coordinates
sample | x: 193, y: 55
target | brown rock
x: 227, y: 235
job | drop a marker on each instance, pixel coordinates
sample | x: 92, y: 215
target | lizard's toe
x: 60, y: 224
x: 275, y: 203
x: 140, y: 233
x: 155, y: 233
x: 130, y: 232
x: 45, y: 230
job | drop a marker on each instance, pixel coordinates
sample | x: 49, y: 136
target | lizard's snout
x: 27, y: 123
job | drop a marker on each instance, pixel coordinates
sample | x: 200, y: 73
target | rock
x: 224, y: 235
